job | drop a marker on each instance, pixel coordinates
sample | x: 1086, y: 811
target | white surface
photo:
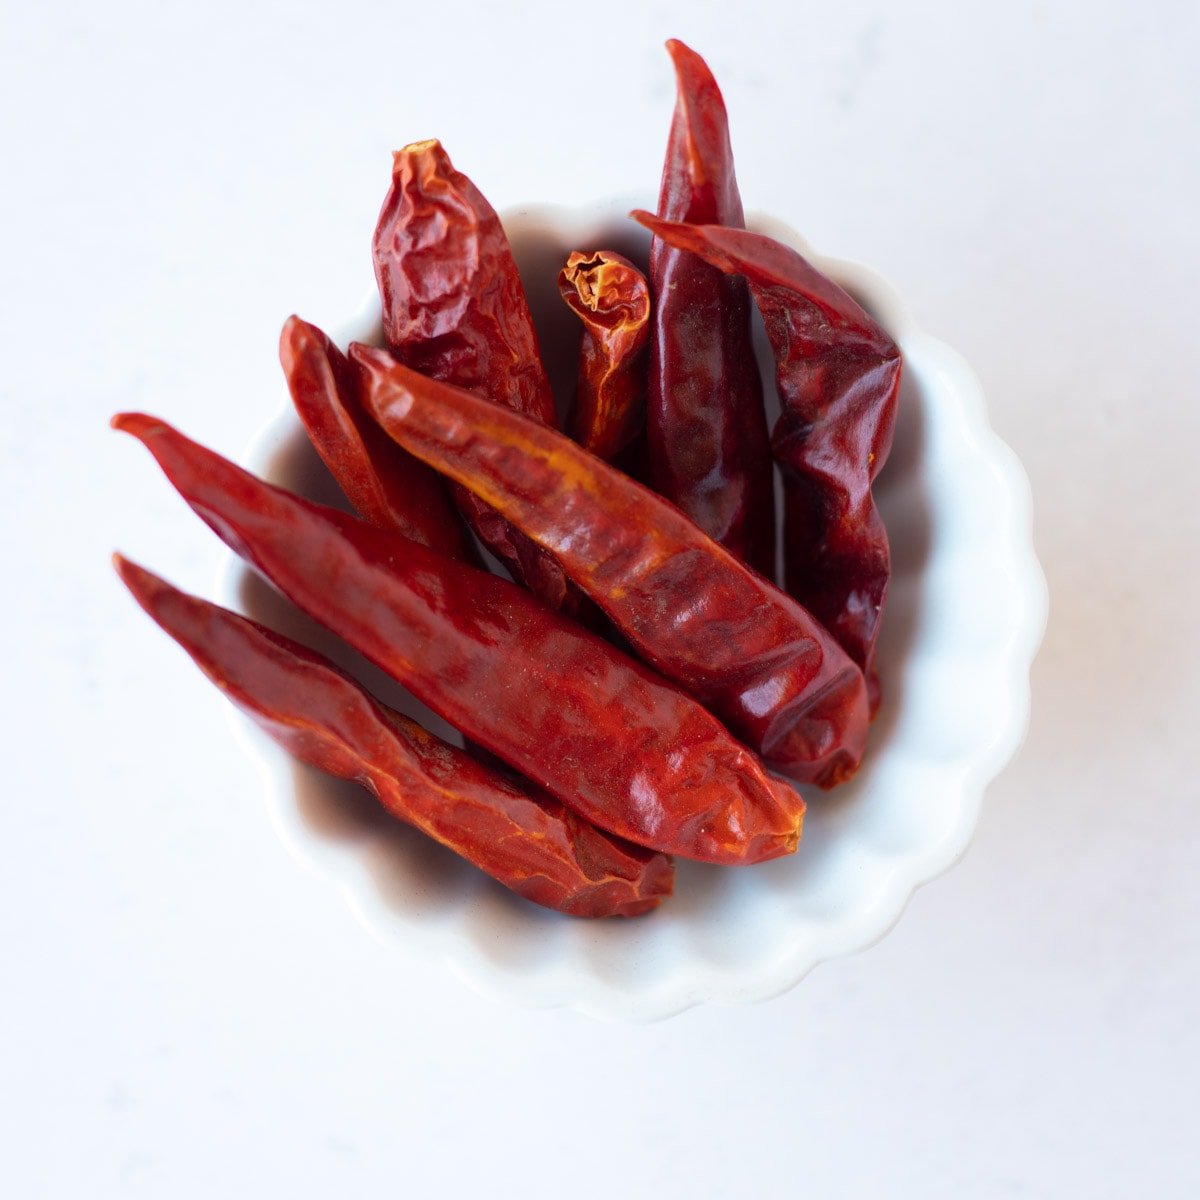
x: 185, y: 1013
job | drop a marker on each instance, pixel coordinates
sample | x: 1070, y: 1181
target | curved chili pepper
x: 612, y: 299
x: 690, y: 609
x: 705, y: 423
x: 838, y: 376
x: 387, y: 486
x: 519, y: 835
x: 454, y: 309
x: 523, y: 837
x: 603, y: 733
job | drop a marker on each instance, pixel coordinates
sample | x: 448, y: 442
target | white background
x: 185, y: 1011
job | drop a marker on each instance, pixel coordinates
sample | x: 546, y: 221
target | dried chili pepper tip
x: 522, y: 837
x: 139, y: 425
x: 702, y: 126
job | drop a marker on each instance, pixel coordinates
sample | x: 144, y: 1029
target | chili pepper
x: 686, y: 605
x: 453, y: 304
x: 454, y: 309
x: 518, y: 834
x: 386, y: 485
x: 706, y: 428
x: 604, y: 734
x: 838, y: 377
x: 612, y: 299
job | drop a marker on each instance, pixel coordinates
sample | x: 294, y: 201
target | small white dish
x: 966, y: 612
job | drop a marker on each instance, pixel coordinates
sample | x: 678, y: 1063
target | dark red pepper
x: 521, y: 836
x: 706, y: 428
x: 838, y: 377
x: 604, y: 734
x: 386, y: 485
x: 690, y: 609
x: 612, y: 299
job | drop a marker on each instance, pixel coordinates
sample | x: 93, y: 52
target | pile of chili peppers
x: 639, y: 687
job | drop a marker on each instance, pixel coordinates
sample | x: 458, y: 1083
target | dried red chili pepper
x: 838, y: 377
x: 612, y: 299
x: 705, y: 424
x: 387, y: 486
x: 454, y: 309
x: 603, y: 733
x: 521, y: 836
x: 453, y: 304
x: 690, y: 609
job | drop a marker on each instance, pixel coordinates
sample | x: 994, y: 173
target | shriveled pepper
x: 454, y: 309
x: 612, y: 300
x: 706, y: 428
x: 387, y: 486
x: 838, y: 377
x: 687, y: 606
x: 518, y: 834
x: 608, y: 737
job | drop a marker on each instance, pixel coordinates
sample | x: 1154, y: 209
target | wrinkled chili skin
x: 688, y: 607
x: 838, y: 378
x: 454, y: 309
x: 386, y: 485
x: 453, y: 304
x: 706, y: 427
x: 612, y: 299
x: 608, y: 737
x: 522, y: 837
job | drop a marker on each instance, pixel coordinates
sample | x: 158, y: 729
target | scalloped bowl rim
x: 468, y: 948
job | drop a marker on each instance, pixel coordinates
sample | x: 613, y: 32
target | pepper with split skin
x: 604, y: 734
x: 612, y: 300
x: 686, y: 605
x: 706, y: 427
x: 386, y: 485
x: 838, y: 377
x: 521, y: 836
x: 454, y: 309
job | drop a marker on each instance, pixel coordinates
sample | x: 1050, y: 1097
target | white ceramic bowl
x: 965, y: 614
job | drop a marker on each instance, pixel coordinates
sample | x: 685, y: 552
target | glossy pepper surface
x: 706, y: 428
x: 688, y: 607
x: 838, y: 377
x: 521, y: 836
x: 454, y: 308
x: 604, y: 734
x: 387, y: 486
x: 612, y: 299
